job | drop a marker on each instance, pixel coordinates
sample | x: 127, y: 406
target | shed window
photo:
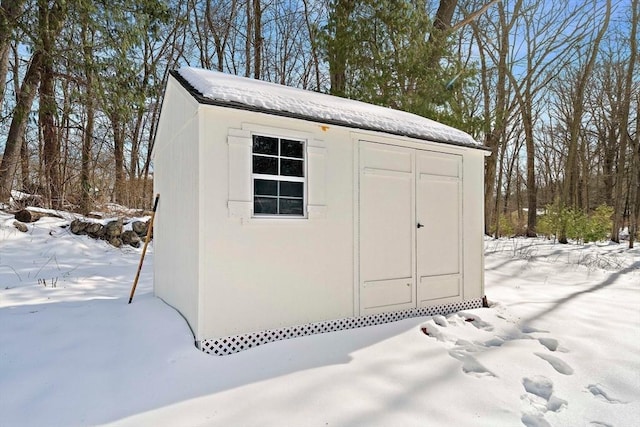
x: 278, y: 176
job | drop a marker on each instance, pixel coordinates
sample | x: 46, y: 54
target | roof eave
x: 240, y: 106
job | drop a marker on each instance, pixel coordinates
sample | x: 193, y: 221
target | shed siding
x: 271, y: 272
x: 473, y: 224
x: 176, y: 180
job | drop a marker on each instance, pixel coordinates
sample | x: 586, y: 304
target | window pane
x: 292, y: 189
x: 265, y: 145
x: 291, y: 207
x: 289, y: 148
x: 264, y: 187
x: 291, y: 167
x: 265, y: 205
x: 265, y: 165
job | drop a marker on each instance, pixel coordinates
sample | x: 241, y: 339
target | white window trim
x: 281, y: 178
x: 240, y: 180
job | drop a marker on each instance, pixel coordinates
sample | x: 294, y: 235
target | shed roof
x: 216, y: 88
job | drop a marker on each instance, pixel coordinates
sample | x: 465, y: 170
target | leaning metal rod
x: 144, y: 249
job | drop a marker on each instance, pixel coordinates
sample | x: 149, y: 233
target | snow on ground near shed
x: 267, y: 96
x: 559, y: 346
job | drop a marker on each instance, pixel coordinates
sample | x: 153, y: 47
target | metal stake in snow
x: 144, y: 249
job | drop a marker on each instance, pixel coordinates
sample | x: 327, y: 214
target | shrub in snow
x: 506, y: 226
x: 578, y: 225
x: 599, y: 224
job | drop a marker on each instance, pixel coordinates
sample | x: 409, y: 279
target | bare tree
x: 533, y: 41
x: 634, y: 220
x: 9, y: 13
x: 493, y: 40
x: 51, y: 20
x: 623, y: 123
x: 312, y: 26
x: 14, y: 141
x: 575, y: 120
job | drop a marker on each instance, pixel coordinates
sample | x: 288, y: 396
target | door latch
x: 420, y: 225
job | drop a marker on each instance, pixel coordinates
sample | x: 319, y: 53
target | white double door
x: 410, y: 228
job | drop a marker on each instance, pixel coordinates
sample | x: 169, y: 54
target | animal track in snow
x: 557, y: 364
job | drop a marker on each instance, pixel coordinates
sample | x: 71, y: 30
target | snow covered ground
x: 559, y: 346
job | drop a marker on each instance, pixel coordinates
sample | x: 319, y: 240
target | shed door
x: 439, y: 234
x: 409, y: 228
x: 387, y: 228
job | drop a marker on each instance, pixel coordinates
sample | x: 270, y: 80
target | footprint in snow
x: 494, y: 342
x: 541, y: 399
x: 462, y: 349
x: 539, y: 386
x: 557, y: 364
x: 550, y: 343
x: 599, y: 392
x: 476, y: 321
x: 531, y: 330
x: 470, y: 364
x: 531, y: 420
x: 432, y: 330
x: 441, y: 321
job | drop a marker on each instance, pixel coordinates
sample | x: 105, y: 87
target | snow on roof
x: 241, y: 92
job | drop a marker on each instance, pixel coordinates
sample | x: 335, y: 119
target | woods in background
x: 553, y: 89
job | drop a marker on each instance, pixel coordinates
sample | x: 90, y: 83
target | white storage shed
x: 285, y: 212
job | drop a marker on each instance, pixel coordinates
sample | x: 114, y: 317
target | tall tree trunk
x: 24, y: 166
x: 87, y: 137
x: 634, y: 220
x: 4, y: 62
x: 532, y: 191
x: 636, y: 182
x: 51, y: 141
x: 440, y: 31
x: 314, y: 44
x: 608, y: 161
x: 219, y: 25
x: 575, y: 122
x: 494, y: 119
x: 623, y: 123
x: 248, y: 41
x: 27, y: 94
x: 257, y: 40
x: 50, y: 23
x: 496, y: 206
x: 118, y: 142
x: 338, y: 48
x: 492, y: 137
x: 9, y: 12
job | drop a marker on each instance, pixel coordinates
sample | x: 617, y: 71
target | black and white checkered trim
x: 233, y: 344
